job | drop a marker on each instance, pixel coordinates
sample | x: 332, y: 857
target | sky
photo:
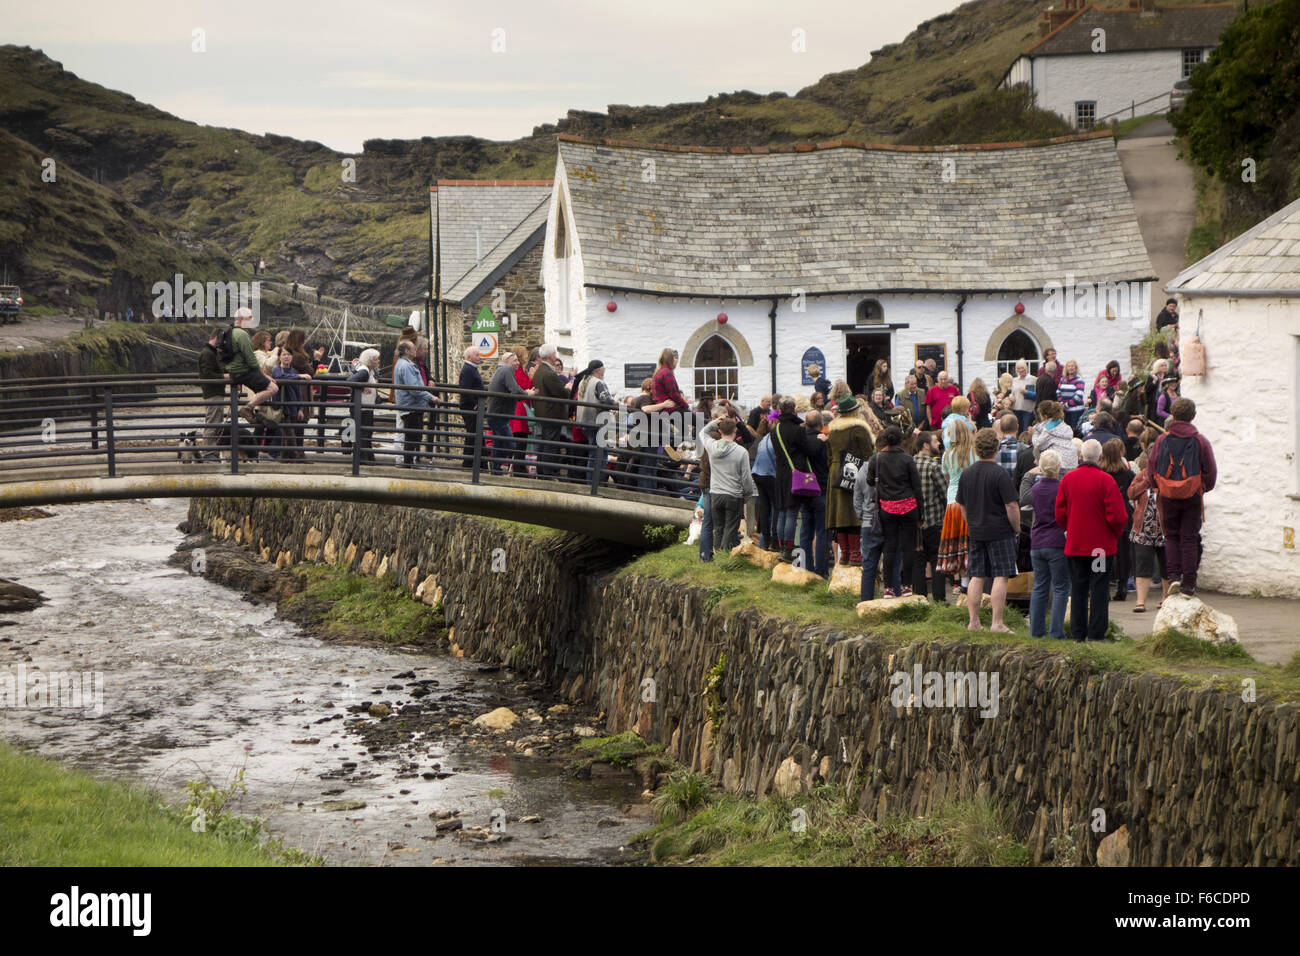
x: 343, y: 71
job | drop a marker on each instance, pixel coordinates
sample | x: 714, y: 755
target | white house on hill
x: 755, y: 263
x: 1093, y: 63
x: 1245, y: 301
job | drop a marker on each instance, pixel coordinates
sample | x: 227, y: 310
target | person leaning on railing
x: 214, y: 394
x: 549, y: 385
x: 412, y: 403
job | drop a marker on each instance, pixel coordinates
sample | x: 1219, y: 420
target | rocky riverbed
x: 357, y: 752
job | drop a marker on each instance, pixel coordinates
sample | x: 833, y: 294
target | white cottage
x: 1096, y: 63
x: 1243, y: 301
x: 754, y: 263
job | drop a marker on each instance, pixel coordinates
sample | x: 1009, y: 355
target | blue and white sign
x: 813, y: 356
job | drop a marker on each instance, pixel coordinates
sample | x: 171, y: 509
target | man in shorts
x: 991, y: 508
x: 244, y: 369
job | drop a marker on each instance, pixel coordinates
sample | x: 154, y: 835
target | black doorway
x: 862, y: 351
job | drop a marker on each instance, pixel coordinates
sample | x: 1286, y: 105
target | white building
x: 1245, y: 301
x: 841, y: 254
x: 1093, y: 64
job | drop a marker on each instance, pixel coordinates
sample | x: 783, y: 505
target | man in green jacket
x: 244, y: 369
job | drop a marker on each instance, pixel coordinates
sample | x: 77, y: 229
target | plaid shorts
x: 992, y: 559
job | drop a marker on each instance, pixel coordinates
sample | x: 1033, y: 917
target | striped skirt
x: 953, y: 542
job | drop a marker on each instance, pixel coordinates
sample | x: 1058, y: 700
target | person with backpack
x: 235, y: 350
x: 1183, y: 468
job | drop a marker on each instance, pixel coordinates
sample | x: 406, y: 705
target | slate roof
x: 498, y: 220
x: 851, y: 218
x: 1128, y: 29
x: 1262, y: 260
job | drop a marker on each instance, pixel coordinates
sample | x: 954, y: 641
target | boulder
x: 986, y: 602
x: 311, y: 548
x: 846, y: 579
x: 1193, y: 616
x: 789, y: 778
x: 873, y: 609
x: 17, y: 597
x: 1113, y: 850
x: 503, y: 718
x: 755, y: 555
x: 789, y: 574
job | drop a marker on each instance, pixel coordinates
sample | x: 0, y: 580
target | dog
x: 188, y: 450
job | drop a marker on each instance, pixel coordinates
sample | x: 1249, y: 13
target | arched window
x: 870, y: 312
x: 1015, y: 347
x: 717, y: 372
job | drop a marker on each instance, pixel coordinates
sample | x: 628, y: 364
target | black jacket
x: 798, y: 443
x: 470, y: 379
x: 210, y: 367
x: 893, y: 474
x: 819, y: 462
x: 1044, y: 389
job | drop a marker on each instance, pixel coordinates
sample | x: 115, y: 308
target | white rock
x: 846, y: 579
x: 882, y: 605
x: 584, y: 731
x: 1193, y: 616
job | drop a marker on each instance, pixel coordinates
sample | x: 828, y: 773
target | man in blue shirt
x: 412, y: 403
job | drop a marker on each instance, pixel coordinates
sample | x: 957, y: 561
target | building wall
x: 1114, y: 80
x: 1255, y: 442
x: 566, y: 299
x: 644, y: 325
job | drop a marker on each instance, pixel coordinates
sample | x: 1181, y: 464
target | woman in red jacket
x: 1091, y: 510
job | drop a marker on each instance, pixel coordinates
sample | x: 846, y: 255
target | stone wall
x: 523, y: 296
x: 1196, y: 776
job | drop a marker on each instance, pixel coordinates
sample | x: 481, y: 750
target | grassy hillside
x: 286, y: 200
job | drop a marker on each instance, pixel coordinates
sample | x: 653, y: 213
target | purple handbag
x: 802, y: 483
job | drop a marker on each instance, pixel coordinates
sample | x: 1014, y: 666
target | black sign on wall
x: 635, y: 373
x: 933, y: 350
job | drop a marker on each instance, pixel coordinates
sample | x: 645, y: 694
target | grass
x: 618, y: 750
x: 732, y: 585
x: 341, y: 603
x: 53, y: 816
x: 825, y: 829
x: 536, y: 532
x: 1124, y: 127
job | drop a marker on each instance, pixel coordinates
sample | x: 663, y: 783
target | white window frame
x: 717, y: 380
x: 1078, y: 117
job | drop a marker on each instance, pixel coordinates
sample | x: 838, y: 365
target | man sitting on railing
x: 244, y: 369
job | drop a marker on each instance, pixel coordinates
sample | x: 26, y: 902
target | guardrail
x: 327, y: 421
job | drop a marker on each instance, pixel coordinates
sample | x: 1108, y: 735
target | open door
x: 861, y: 352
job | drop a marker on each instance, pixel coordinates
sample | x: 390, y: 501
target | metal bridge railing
x: 110, y: 422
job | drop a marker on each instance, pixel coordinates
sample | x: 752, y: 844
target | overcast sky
x: 343, y: 71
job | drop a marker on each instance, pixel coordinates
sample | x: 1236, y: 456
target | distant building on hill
x: 1243, y: 302
x: 755, y: 263
x: 490, y: 239
x: 1092, y: 64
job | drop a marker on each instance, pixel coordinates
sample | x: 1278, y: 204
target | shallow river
x: 198, y: 681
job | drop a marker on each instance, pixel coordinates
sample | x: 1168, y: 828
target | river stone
x: 18, y: 597
x: 874, y: 609
x: 330, y: 805
x: 584, y: 732
x: 503, y: 718
x: 846, y: 579
x: 755, y: 555
x: 789, y: 778
x: 380, y: 710
x: 1113, y: 850
x: 1193, y: 616
x: 789, y: 574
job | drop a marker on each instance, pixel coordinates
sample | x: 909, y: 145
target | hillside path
x: 1164, y: 194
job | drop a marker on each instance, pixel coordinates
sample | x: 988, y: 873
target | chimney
x: 1054, y: 16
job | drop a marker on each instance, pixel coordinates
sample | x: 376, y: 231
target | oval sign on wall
x: 812, y: 356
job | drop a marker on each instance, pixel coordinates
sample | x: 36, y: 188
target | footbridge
x: 119, y: 437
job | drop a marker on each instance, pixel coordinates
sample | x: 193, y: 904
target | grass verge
x: 339, y: 603
x: 53, y: 816
x: 703, y: 826
x: 732, y: 585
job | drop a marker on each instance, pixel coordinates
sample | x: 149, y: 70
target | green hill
x: 286, y: 200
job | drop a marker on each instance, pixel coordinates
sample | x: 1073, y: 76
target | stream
x: 197, y: 682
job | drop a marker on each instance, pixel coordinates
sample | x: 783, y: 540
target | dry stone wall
x: 1197, y: 777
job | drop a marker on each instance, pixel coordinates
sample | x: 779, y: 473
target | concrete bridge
x: 120, y: 437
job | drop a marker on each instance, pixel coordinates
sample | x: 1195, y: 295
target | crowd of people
x: 1098, y: 490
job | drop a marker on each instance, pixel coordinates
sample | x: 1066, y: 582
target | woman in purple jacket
x: 1047, y: 551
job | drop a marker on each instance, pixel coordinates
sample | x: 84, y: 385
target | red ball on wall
x: 1020, y: 308
x: 611, y: 306
x: 722, y: 317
